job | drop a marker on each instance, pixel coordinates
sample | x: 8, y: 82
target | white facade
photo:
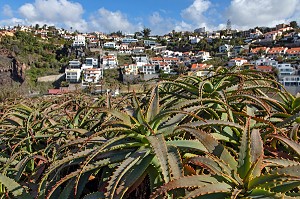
x: 237, y: 62
x: 90, y: 63
x: 131, y: 69
x: 73, y: 71
x: 109, y: 45
x: 91, y: 76
x: 265, y: 62
x: 147, y: 69
x: 224, y: 48
x: 110, y: 61
x: 285, y: 69
x: 79, y: 40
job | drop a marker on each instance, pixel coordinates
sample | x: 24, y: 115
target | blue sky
x: 161, y: 16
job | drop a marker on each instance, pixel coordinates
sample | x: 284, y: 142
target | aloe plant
x: 222, y: 175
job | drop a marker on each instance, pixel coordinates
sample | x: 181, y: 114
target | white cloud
x: 7, y: 11
x: 108, y: 21
x: 245, y: 13
x: 12, y: 21
x: 195, y: 12
x: 57, y: 12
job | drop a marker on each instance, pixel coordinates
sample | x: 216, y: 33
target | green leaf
x: 194, y: 145
x: 220, y: 187
x: 212, y: 145
x: 159, y: 147
x: 244, y: 152
x: 15, y: 188
x: 153, y: 108
x: 67, y: 190
x: 185, y: 182
x: 294, y: 145
x: 96, y: 195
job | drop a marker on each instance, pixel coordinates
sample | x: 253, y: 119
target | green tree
x: 146, y: 32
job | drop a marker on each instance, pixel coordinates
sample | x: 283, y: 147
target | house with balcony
x: 131, y: 69
x: 202, y: 70
x: 79, y: 41
x: 90, y: 63
x: 264, y: 62
x: 165, y: 67
x: 276, y: 52
x: 259, y: 51
x: 285, y: 69
x: 293, y: 53
x: 147, y: 69
x: 110, y: 61
x: 73, y: 71
x: 203, y: 56
x: 91, y: 76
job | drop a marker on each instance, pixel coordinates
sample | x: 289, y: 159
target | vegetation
x: 232, y: 135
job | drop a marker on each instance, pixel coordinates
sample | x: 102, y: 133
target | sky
x: 161, y: 16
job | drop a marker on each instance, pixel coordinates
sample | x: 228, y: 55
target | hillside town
x: 139, y: 57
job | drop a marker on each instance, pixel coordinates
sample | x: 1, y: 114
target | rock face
x: 10, y: 69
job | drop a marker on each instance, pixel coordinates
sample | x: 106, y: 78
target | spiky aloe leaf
x: 207, y: 163
x: 95, y: 195
x: 194, y: 145
x: 263, y: 193
x: 122, y: 169
x: 153, y: 108
x: 212, y: 189
x: 67, y: 190
x: 13, y: 187
x: 257, y: 153
x: 279, y: 162
x: 245, y: 151
x: 286, y: 186
x: 175, y: 162
x: 133, y: 177
x: 212, y: 145
x: 293, y: 170
x: 294, y: 145
x: 159, y: 147
x: 185, y: 182
x: 210, y: 123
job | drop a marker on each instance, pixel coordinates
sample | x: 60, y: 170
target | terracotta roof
x: 200, y: 66
x: 255, y: 50
x: 57, y: 91
x: 157, y: 59
x: 276, y: 50
x: 238, y: 59
x: 264, y: 68
x: 293, y: 51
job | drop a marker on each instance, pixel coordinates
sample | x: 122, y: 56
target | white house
x: 90, y: 63
x: 131, y: 69
x: 225, y: 48
x: 79, y: 41
x: 264, y: 62
x: 147, y: 69
x: 276, y: 51
x: 203, y: 55
x: 237, y: 62
x: 290, y: 80
x: 293, y: 53
x: 110, y: 61
x: 109, y: 45
x: 285, y: 69
x: 91, y: 76
x: 73, y: 71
